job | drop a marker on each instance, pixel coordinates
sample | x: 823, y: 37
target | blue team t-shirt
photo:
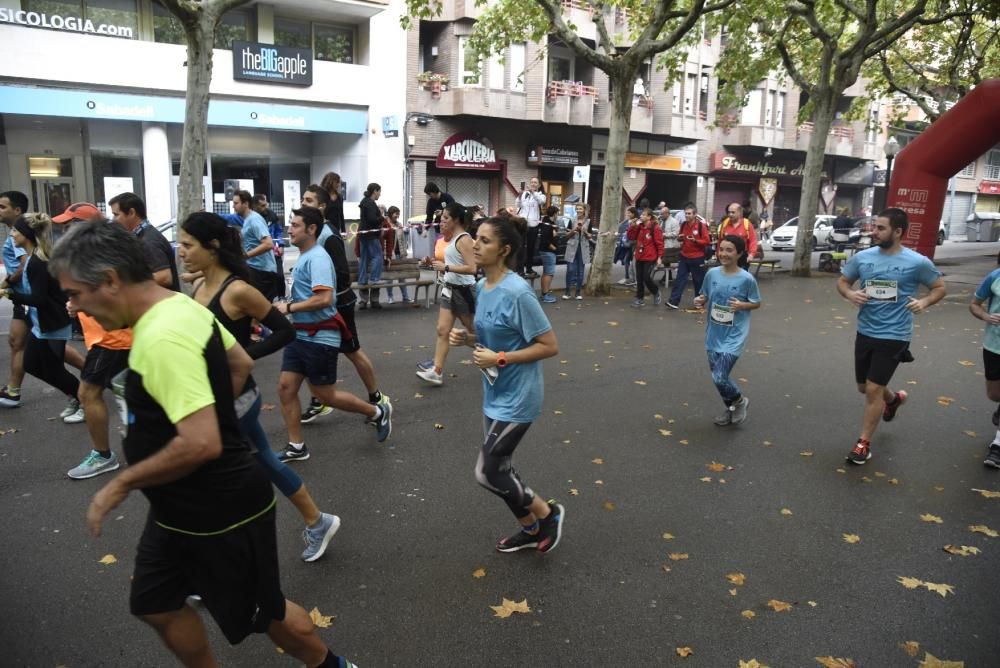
x: 254, y: 230
x: 889, y: 279
x: 989, y: 292
x: 726, y: 329
x: 508, y: 318
x: 314, y: 269
x: 12, y: 255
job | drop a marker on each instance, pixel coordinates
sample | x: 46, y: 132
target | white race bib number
x: 881, y: 291
x: 446, y: 292
x: 722, y: 314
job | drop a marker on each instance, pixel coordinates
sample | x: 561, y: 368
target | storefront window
x: 120, y: 17
x: 470, y: 66
x: 334, y: 43
x: 167, y: 29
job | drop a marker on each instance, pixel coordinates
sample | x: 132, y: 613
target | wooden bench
x: 399, y: 273
x: 757, y: 264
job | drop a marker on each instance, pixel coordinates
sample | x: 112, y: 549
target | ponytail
x: 372, y: 187
x: 459, y: 214
x: 212, y: 232
x: 41, y: 225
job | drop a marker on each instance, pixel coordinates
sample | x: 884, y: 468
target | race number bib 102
x: 722, y: 314
x: 881, y: 291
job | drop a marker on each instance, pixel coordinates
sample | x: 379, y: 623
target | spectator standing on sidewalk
x: 547, y: 233
x: 735, y: 223
x: 392, y: 237
x: 370, y: 258
x: 625, y: 250
x: 334, y: 213
x: 529, y: 206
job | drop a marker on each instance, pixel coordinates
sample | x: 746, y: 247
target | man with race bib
x: 888, y: 277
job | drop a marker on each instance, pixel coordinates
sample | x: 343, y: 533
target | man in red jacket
x: 648, y: 239
x: 735, y: 223
x: 695, y: 238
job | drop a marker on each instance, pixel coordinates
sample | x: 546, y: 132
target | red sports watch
x: 501, y: 359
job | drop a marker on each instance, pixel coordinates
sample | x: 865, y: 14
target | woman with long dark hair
x: 457, y: 298
x: 210, y: 246
x: 45, y: 349
x: 334, y: 211
x: 511, y: 337
x: 370, y: 257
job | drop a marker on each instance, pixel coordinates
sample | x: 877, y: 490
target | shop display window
x: 328, y: 42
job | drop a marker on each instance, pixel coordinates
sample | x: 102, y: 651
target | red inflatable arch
x: 921, y: 171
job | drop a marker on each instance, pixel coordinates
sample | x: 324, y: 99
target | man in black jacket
x: 436, y: 200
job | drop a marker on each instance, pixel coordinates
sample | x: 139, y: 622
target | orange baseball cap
x: 79, y: 211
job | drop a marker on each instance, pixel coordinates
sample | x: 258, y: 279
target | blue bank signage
x: 266, y: 63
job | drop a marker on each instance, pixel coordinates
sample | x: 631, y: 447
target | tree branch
x: 806, y: 10
x: 698, y: 10
x: 789, y: 65
x: 602, y: 27
x: 849, y: 6
x: 553, y: 9
x: 897, y: 87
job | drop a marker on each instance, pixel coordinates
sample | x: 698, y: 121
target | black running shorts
x: 103, y: 364
x: 347, y: 313
x: 876, y: 360
x: 991, y: 365
x: 235, y: 573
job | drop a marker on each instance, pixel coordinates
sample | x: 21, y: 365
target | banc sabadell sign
x: 266, y: 63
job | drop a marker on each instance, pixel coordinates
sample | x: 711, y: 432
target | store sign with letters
x: 553, y: 155
x: 467, y: 150
x: 266, y: 63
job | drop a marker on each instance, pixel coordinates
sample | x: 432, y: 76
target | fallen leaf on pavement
x: 612, y: 323
x: 574, y: 492
x: 931, y: 661
x: 557, y: 412
x: 418, y: 396
x: 640, y: 382
x: 963, y: 551
x: 754, y: 663
x: 319, y: 619
x: 786, y: 511
x: 909, y: 583
x: 806, y: 453
x: 508, y: 607
x: 657, y: 417
x: 707, y: 478
x: 736, y: 578
x: 749, y: 614
x: 943, y: 589
x: 812, y: 604
x: 987, y: 493
x: 732, y: 592
x: 716, y: 466
x: 597, y: 460
x: 945, y: 401
x: 835, y: 662
x: 666, y: 432
x: 107, y: 559
x: 668, y: 536
x: 609, y: 505
x: 852, y: 538
x: 879, y: 474
x: 966, y: 363
x: 934, y: 519
x: 911, y: 647
x: 438, y: 425
x: 779, y: 606
x: 983, y: 529
x: 683, y: 441
x: 479, y: 573
x: 678, y: 556
x: 684, y: 651
x: 893, y: 481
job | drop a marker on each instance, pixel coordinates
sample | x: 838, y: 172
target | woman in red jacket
x: 648, y: 239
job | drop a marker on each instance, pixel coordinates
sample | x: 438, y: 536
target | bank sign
x: 266, y: 63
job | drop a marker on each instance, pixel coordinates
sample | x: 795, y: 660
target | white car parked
x: 784, y: 238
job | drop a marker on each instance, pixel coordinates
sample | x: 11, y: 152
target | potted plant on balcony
x: 433, y: 81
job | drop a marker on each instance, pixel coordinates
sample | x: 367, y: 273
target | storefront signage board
x: 467, y: 150
x: 267, y: 63
x: 553, y: 156
x: 122, y: 106
x: 66, y: 23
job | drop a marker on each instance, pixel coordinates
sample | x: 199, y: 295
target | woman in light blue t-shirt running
x: 512, y: 336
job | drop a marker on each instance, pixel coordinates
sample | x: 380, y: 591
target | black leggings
x: 494, y: 470
x: 44, y: 359
x: 644, y: 278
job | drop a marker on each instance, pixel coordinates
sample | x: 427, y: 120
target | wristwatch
x: 501, y: 359
x: 446, y: 269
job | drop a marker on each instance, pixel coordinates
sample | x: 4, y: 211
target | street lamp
x: 891, y: 148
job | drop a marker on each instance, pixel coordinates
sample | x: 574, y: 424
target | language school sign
x: 467, y: 150
x: 267, y: 63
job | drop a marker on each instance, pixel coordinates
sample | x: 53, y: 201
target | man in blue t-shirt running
x: 890, y: 276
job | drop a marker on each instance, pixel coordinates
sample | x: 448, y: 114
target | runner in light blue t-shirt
x: 986, y: 306
x: 728, y: 294
x: 889, y: 278
x: 512, y: 336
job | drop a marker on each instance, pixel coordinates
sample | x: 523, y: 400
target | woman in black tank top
x: 209, y: 245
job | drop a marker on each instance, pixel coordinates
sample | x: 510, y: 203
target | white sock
x: 996, y: 439
x: 297, y: 446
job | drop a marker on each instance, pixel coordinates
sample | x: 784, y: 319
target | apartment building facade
x: 92, y: 101
x: 539, y: 110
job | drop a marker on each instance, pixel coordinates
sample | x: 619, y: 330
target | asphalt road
x: 399, y: 575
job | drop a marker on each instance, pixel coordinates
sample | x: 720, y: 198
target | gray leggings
x: 494, y: 470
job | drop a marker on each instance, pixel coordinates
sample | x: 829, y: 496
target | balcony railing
x: 840, y: 131
x: 992, y: 173
x: 582, y: 5
x: 571, y: 89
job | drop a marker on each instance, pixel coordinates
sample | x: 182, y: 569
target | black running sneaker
x: 521, y: 540
x: 550, y: 529
x: 993, y: 458
x: 889, y: 411
x: 292, y: 454
x: 861, y: 453
x: 315, y: 410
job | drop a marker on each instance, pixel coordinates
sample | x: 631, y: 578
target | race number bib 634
x: 881, y: 291
x: 722, y: 314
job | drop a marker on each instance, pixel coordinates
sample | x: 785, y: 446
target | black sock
x: 331, y: 660
x: 374, y: 397
x: 105, y: 455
